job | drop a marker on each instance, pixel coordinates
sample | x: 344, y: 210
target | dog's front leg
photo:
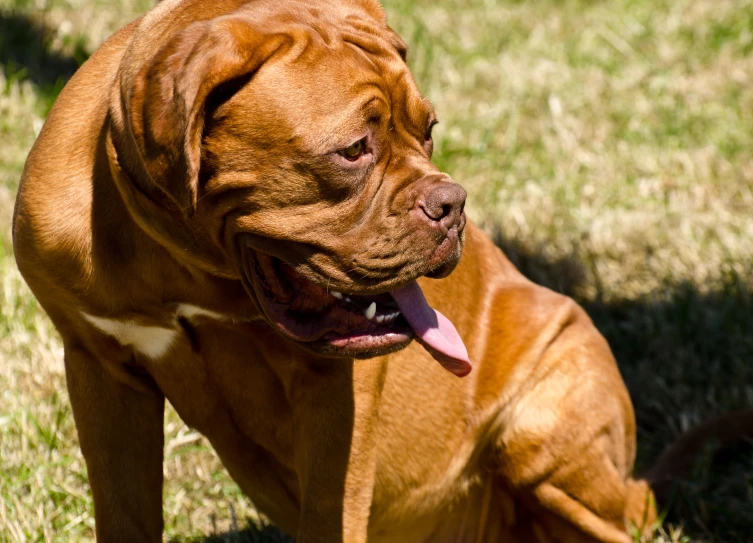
x: 335, y: 423
x: 121, y: 433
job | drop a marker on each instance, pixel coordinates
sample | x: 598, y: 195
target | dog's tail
x: 677, y: 459
x: 655, y: 486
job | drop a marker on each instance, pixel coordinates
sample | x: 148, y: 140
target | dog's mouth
x: 340, y: 324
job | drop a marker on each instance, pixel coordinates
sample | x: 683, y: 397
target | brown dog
x: 229, y: 203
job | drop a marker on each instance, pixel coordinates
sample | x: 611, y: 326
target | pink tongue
x: 433, y: 330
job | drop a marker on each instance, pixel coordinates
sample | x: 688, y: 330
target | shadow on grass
x: 27, y: 54
x: 685, y: 355
x: 254, y: 533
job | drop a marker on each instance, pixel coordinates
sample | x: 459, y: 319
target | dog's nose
x: 443, y: 203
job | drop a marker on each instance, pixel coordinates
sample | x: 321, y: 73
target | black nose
x: 443, y: 203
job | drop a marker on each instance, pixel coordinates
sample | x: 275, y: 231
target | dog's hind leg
x: 565, y: 443
x: 121, y: 432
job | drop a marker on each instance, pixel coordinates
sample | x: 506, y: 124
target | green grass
x: 605, y: 144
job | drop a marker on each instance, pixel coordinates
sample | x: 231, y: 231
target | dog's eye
x: 428, y: 131
x: 355, y: 151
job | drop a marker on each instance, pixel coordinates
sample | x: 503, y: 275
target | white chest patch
x: 152, y: 341
x: 192, y: 311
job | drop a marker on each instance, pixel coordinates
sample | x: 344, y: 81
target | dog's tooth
x: 371, y: 311
x: 348, y: 299
x: 380, y: 319
x: 336, y: 294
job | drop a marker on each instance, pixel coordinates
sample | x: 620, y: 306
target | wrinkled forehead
x: 333, y: 81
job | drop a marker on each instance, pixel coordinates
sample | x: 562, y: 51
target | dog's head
x: 293, y: 138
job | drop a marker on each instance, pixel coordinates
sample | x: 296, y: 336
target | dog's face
x: 313, y: 170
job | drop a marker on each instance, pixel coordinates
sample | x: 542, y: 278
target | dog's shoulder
x: 52, y: 219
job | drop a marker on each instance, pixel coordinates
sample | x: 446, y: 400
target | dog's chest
x: 216, y: 372
x: 211, y: 368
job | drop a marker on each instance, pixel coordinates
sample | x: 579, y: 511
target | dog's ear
x: 168, y: 97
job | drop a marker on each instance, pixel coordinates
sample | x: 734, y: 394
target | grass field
x: 607, y: 145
